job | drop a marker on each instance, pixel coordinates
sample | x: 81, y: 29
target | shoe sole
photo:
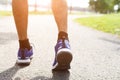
x: 24, y: 62
x: 64, y: 58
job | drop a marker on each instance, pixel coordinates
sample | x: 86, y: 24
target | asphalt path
x: 96, y: 55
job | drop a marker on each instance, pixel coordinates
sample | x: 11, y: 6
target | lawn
x: 9, y: 13
x: 5, y: 13
x: 109, y: 23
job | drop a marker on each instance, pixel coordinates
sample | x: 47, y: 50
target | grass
x: 5, y: 13
x: 9, y: 13
x: 109, y: 23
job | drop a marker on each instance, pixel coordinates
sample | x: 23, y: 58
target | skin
x: 20, y: 13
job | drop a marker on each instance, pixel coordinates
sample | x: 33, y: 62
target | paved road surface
x: 96, y: 54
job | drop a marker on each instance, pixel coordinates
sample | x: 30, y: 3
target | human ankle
x: 62, y: 35
x: 24, y: 44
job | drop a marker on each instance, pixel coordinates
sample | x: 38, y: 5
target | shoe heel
x: 64, y: 59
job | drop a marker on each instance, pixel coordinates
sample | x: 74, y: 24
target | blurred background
x: 105, y: 13
x: 98, y: 6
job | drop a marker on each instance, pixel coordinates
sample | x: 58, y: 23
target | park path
x: 96, y: 54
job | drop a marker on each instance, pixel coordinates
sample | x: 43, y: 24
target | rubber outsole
x: 64, y: 59
x: 24, y: 62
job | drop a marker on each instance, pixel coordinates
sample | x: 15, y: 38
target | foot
x: 63, y: 55
x: 25, y: 56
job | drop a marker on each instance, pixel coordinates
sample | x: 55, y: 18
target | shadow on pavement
x: 57, y: 75
x: 41, y: 78
x: 112, y: 41
x: 9, y: 73
x: 61, y: 75
x: 6, y: 37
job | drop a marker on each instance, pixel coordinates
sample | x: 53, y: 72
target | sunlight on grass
x: 5, y: 13
x: 108, y: 23
x: 9, y: 13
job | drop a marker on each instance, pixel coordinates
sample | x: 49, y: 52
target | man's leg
x: 59, y: 8
x: 63, y: 54
x: 20, y: 13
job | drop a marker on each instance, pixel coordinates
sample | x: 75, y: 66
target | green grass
x: 5, y: 13
x: 9, y: 13
x: 107, y: 23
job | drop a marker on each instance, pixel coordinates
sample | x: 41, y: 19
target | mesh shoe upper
x: 25, y: 53
x: 61, y: 44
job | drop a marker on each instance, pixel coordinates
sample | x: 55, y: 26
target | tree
x: 117, y: 2
x: 102, y: 6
